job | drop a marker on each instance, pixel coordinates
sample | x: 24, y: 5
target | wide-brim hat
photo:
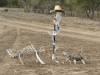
x: 57, y: 8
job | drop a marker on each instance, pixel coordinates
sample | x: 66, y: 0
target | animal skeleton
x: 71, y: 57
x: 28, y: 49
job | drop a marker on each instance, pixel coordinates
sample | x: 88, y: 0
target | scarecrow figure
x: 57, y: 18
x: 57, y: 27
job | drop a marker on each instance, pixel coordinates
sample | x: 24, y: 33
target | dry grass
x: 10, y: 39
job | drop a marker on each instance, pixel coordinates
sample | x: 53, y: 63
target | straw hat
x: 58, y: 8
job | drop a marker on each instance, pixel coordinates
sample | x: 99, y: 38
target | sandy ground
x: 18, y: 28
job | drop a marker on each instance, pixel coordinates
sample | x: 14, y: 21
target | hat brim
x: 53, y: 11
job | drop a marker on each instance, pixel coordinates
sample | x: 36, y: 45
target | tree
x: 29, y: 4
x: 89, y: 6
x: 70, y: 4
x: 13, y: 3
x: 3, y: 3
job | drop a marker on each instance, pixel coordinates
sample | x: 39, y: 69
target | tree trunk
x: 71, y: 11
x: 87, y: 13
x: 90, y: 13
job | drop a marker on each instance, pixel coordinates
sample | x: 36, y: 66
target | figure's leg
x: 70, y: 61
x: 83, y: 61
x: 67, y: 59
x: 37, y: 61
x: 21, y: 60
x: 74, y: 61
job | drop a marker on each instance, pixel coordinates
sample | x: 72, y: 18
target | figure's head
x: 57, y: 8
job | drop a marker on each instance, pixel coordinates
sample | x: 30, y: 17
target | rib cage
x: 26, y: 50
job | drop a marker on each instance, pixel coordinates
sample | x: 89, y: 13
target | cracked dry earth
x: 16, y: 30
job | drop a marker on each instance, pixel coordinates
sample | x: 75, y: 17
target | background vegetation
x: 84, y: 8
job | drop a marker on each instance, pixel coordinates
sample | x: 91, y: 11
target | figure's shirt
x: 58, y: 18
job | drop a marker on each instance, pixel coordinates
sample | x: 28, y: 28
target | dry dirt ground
x: 18, y: 28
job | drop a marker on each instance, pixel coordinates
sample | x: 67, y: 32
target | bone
x: 83, y: 61
x: 39, y: 59
x: 10, y: 53
x: 37, y: 56
x: 20, y: 59
x: 27, y: 49
x: 41, y: 49
x: 14, y: 55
